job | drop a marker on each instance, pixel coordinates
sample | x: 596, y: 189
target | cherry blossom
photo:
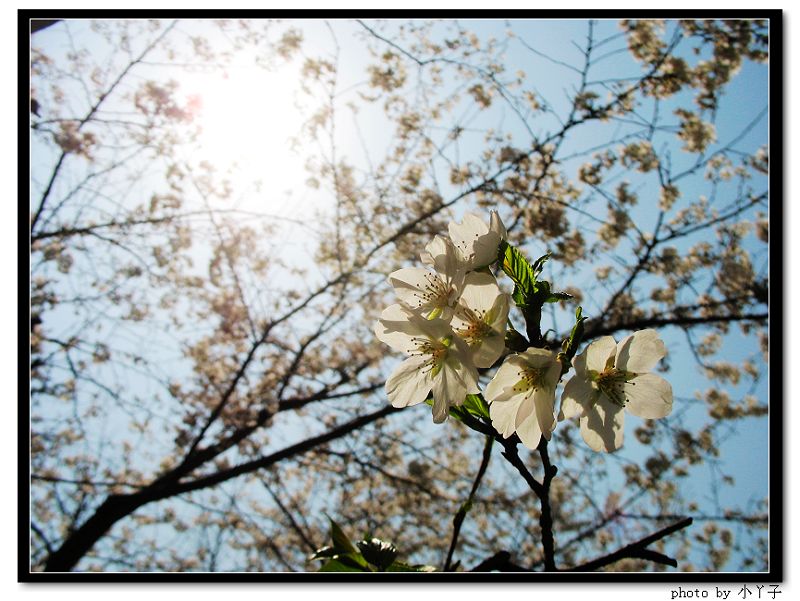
x: 480, y: 318
x: 434, y: 294
x: 611, y: 377
x: 476, y: 242
x: 438, y: 360
x: 522, y: 396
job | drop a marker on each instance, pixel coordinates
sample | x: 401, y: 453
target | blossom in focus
x: 476, y: 242
x: 480, y: 318
x: 522, y: 396
x: 434, y: 294
x: 610, y: 378
x: 439, y: 361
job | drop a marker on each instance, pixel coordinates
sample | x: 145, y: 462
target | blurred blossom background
x: 215, y: 206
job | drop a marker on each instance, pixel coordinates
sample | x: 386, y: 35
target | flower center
x: 531, y: 378
x: 435, y: 292
x: 476, y: 329
x: 611, y: 382
x: 435, y: 350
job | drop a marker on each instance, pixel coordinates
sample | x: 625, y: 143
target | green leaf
x: 529, y: 291
x: 399, y: 566
x: 379, y: 553
x: 542, y: 292
x: 475, y: 404
x: 576, y: 335
x: 538, y: 265
x: 516, y: 266
x: 340, y: 541
x: 343, y: 563
x: 324, y: 552
x: 341, y: 553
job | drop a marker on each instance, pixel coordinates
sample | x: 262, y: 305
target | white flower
x: 522, y: 395
x: 439, y: 360
x: 480, y: 318
x: 611, y: 377
x: 432, y: 294
x: 476, y: 242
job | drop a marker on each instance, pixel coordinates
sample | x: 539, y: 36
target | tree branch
x: 291, y: 451
x: 546, y: 517
x: 500, y: 561
x: 637, y: 550
x: 512, y: 455
x: 593, y: 330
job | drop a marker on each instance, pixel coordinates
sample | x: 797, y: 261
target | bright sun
x: 248, y: 116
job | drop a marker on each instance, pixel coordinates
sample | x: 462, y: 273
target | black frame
x: 776, y: 385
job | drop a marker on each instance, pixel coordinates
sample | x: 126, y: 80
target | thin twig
x: 89, y: 115
x: 462, y: 511
x: 292, y: 522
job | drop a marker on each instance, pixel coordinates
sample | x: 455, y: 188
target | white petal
x: 461, y: 357
x: 409, y: 383
x: 480, y: 292
x: 399, y: 325
x: 579, y: 363
x: 603, y: 426
x: 410, y: 284
x: 525, y: 410
x: 496, y: 226
x: 434, y: 248
x: 435, y: 329
x: 649, y: 396
x: 448, y: 385
x: 469, y: 376
x: 553, y: 374
x: 484, y: 250
x: 539, y: 358
x: 498, y: 314
x: 475, y: 241
x: 639, y: 352
x: 596, y: 355
x: 442, y: 255
x: 489, y: 350
x: 544, y: 401
x: 569, y: 409
x: 440, y: 410
x: 471, y: 380
x: 529, y: 431
x: 578, y: 396
x: 396, y: 327
x: 504, y: 414
x: 470, y: 227
x: 504, y: 380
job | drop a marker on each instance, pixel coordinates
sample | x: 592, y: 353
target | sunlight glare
x: 248, y: 116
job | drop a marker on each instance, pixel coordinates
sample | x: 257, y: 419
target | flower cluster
x: 451, y: 320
